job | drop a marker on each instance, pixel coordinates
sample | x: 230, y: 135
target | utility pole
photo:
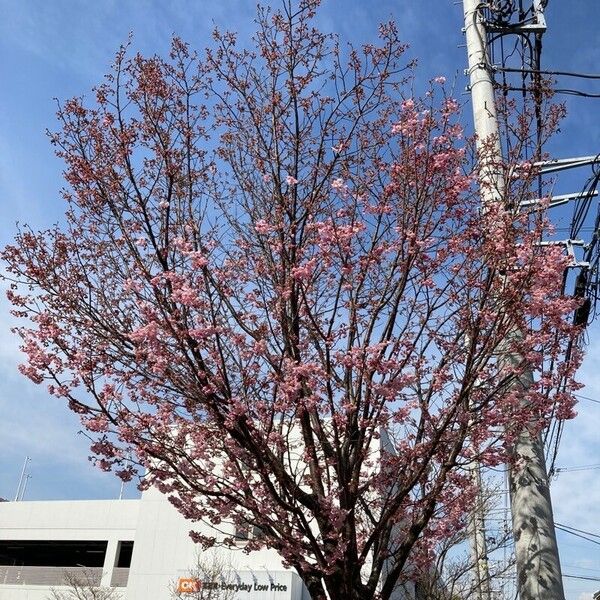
x: 478, y: 540
x: 536, y: 551
x: 18, y: 494
x: 538, y: 566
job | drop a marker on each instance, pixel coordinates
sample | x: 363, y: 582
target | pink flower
x: 198, y: 260
x: 145, y: 333
x: 291, y: 180
x: 262, y: 227
x: 304, y: 272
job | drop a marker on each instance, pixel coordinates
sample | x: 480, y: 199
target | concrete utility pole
x: 538, y: 566
x: 476, y: 530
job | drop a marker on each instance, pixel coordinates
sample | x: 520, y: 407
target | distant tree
x: 269, y: 258
x: 210, y: 572
x: 452, y: 574
x: 83, y: 585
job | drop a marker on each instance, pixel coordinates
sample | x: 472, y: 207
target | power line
x: 579, y: 530
x: 581, y: 568
x: 586, y: 398
x: 587, y: 578
x: 583, y: 537
x: 577, y: 468
x: 543, y: 72
x: 566, y: 91
x: 576, y: 93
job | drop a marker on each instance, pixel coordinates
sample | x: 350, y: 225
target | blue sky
x: 63, y: 47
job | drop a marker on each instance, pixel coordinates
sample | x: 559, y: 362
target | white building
x: 140, y: 546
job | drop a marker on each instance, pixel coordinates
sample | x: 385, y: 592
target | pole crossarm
x: 557, y: 200
x: 562, y: 164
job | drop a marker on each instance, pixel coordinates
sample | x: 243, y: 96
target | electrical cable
x: 586, y: 577
x: 577, y: 468
x: 582, y: 568
x: 580, y: 397
x: 558, y: 91
x: 578, y: 93
x: 578, y: 530
x: 583, y: 537
x: 545, y: 72
x: 582, y: 205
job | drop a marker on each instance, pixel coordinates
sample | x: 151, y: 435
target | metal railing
x: 119, y: 578
x: 19, y: 575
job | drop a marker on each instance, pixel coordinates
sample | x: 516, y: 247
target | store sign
x: 241, y: 586
x: 191, y: 585
x: 188, y: 585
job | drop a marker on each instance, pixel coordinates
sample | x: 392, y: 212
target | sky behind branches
x: 62, y: 48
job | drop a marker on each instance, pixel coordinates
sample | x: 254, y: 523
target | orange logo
x: 188, y: 585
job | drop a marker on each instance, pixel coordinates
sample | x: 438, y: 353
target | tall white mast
x: 18, y: 494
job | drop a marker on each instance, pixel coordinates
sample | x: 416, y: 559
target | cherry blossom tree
x: 276, y: 287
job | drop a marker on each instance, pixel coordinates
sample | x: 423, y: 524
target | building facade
x: 140, y: 547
